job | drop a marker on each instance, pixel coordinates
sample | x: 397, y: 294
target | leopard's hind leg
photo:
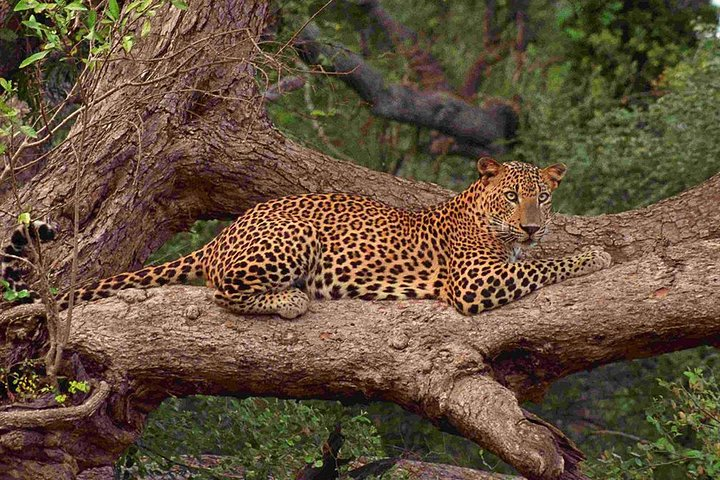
x: 267, y: 272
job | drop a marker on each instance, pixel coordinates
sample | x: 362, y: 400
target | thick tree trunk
x: 188, y: 139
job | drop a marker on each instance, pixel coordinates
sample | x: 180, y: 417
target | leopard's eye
x: 543, y: 197
x: 512, y: 196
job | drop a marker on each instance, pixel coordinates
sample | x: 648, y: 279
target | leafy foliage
x: 626, y: 46
x: 10, y: 294
x: 25, y: 382
x: 622, y: 158
x: 269, y: 438
x: 74, y: 37
x: 686, y: 423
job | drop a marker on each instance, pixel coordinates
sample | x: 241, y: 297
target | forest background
x: 625, y: 93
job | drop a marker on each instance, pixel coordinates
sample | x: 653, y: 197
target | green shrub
x: 630, y: 157
x: 267, y: 437
x: 686, y: 421
x: 625, y: 46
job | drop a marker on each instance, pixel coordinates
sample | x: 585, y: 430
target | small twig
x: 312, y: 17
x: 708, y: 413
x: 285, y: 85
x: 618, y: 434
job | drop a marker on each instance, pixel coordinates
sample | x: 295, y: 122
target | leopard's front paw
x: 594, y: 260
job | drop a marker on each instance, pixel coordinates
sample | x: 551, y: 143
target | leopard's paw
x: 595, y: 260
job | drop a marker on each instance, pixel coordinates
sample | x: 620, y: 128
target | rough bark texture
x: 187, y: 140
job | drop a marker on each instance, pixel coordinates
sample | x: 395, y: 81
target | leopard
x: 280, y: 254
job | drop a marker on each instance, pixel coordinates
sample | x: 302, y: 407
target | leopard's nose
x: 530, y: 229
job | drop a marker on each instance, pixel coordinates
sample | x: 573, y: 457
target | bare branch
x: 285, y: 85
x: 437, y: 110
x: 424, y: 64
x: 56, y: 417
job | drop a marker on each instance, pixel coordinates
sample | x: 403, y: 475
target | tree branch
x: 434, y: 362
x: 55, y: 417
x: 285, y: 85
x: 437, y: 110
x: 483, y: 409
x: 423, y: 63
x: 432, y: 78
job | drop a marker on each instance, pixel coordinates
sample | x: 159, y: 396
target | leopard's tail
x: 12, y: 268
x: 184, y: 269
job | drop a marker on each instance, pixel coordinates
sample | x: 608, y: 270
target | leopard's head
x: 516, y: 200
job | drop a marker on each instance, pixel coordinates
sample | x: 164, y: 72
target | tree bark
x: 186, y: 139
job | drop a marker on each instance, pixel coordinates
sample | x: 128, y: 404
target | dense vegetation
x: 626, y: 94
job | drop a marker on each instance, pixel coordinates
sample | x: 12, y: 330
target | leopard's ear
x: 554, y: 174
x: 488, y: 168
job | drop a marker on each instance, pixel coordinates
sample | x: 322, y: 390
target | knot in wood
x: 399, y: 341
x: 134, y: 295
x: 14, y: 440
x: 192, y: 312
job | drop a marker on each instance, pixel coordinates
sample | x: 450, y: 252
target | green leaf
x: 34, y: 58
x: 127, y: 43
x: 6, y: 85
x: 145, y: 28
x: 54, y: 290
x: 41, y: 7
x: 33, y: 24
x: 606, y: 18
x: 76, y: 7
x: 24, y: 5
x: 28, y: 131
x: 664, y: 444
x: 24, y: 293
x: 92, y: 18
x: 564, y: 14
x: 694, y: 453
x: 575, y: 34
x: 83, y: 387
x: 113, y: 11
x: 24, y: 218
x: 179, y: 4
x: 5, y: 284
x: 76, y: 386
x: 10, y: 295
